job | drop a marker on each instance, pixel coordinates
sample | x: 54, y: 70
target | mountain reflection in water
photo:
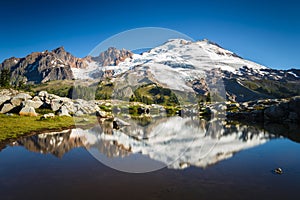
x: 177, y: 142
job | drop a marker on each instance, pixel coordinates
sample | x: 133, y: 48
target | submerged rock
x: 278, y: 170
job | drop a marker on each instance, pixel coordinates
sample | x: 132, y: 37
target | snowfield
x: 175, y: 63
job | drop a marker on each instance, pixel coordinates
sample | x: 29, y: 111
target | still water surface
x: 188, y: 159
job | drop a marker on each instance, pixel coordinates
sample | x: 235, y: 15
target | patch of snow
x: 292, y: 73
x: 85, y: 73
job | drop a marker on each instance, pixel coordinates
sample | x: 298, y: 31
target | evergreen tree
x: 5, y: 77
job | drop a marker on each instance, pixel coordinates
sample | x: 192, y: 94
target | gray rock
x: 31, y: 103
x: 16, y: 101
x: 69, y: 105
x: 36, y: 98
x: 28, y: 111
x: 4, y: 98
x: 56, y: 104
x: 79, y: 113
x: 102, y: 114
x: 53, y: 96
x: 48, y: 115
x: 63, y: 111
x: 43, y: 94
x: 19, y: 98
x: 6, y: 108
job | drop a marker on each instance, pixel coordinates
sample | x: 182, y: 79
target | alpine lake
x: 154, y: 157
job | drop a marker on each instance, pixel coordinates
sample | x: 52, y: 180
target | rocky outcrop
x: 112, y: 56
x: 39, y: 67
x: 268, y: 110
x: 25, y: 105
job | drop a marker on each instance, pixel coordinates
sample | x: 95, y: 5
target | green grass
x: 15, y: 126
x: 104, y: 90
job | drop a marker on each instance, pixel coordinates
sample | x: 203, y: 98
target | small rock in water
x: 278, y: 170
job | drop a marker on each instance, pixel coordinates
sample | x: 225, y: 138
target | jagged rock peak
x: 112, y: 56
x: 59, y: 50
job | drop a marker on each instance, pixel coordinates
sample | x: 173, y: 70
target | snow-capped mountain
x: 189, y: 60
x: 186, y: 67
x: 198, y: 67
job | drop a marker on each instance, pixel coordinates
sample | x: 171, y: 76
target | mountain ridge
x: 177, y: 64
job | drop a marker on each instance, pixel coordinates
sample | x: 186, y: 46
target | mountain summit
x: 178, y: 64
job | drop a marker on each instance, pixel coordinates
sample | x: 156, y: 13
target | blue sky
x: 267, y: 32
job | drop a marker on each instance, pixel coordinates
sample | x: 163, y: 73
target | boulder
x: 53, y: 96
x: 69, y: 105
x: 79, y: 113
x: 6, y: 108
x: 56, y: 104
x: 16, y: 101
x: 36, y: 98
x: 63, y: 111
x: 19, y: 98
x: 43, y: 94
x: 28, y: 111
x: 31, y: 103
x: 4, y: 98
x: 48, y: 115
x: 102, y: 114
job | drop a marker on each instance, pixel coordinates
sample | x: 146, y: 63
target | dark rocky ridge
x: 40, y: 67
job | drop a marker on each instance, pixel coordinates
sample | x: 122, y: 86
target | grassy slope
x: 275, y: 89
x: 152, y: 93
x: 59, y: 87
